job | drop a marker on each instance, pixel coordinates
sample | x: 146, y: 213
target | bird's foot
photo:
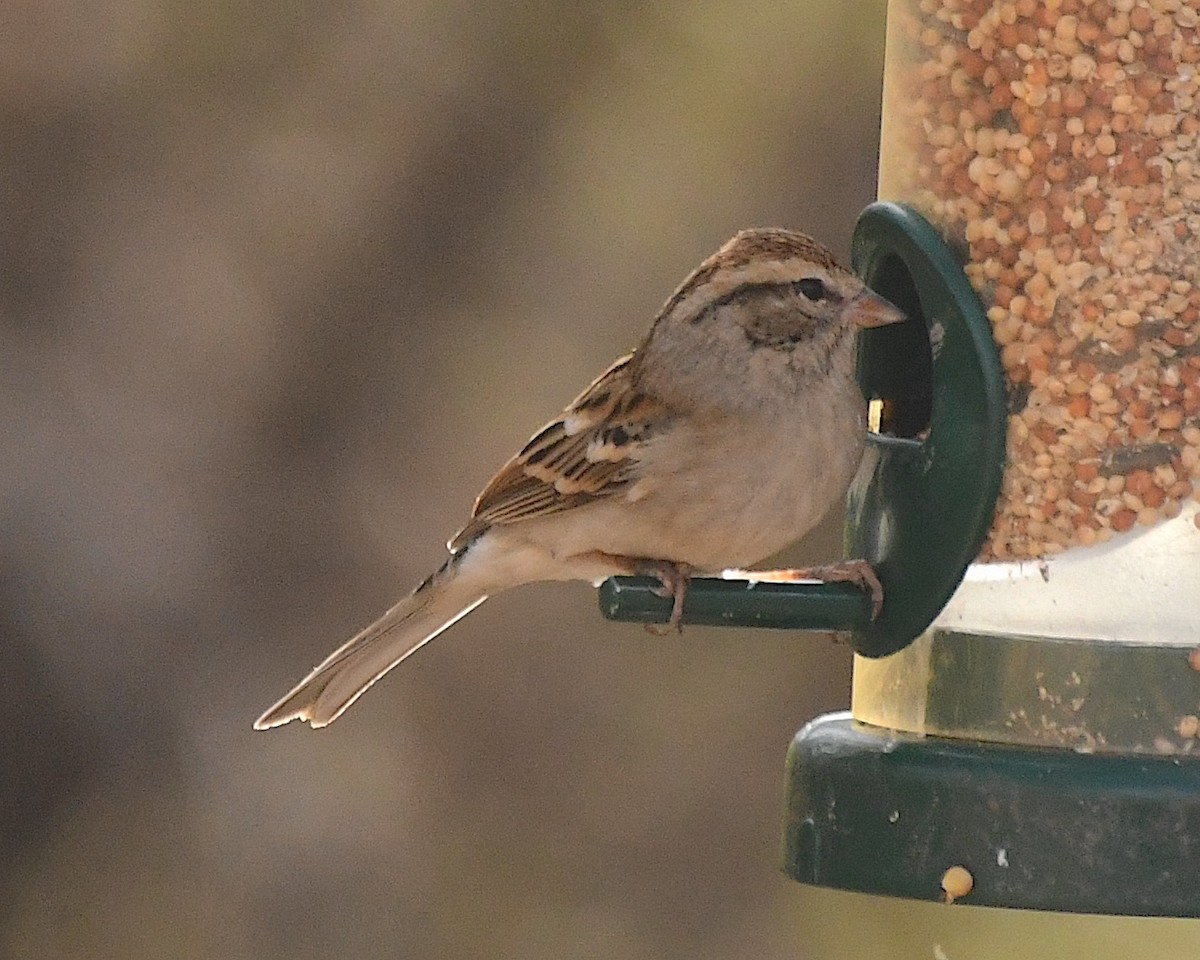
x: 674, y: 579
x: 858, y: 572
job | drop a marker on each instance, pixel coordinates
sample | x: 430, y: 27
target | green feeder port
x: 920, y: 511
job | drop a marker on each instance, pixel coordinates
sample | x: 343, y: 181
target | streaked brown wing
x: 587, y: 453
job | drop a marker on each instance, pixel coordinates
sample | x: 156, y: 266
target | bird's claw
x: 858, y: 572
x: 673, y: 581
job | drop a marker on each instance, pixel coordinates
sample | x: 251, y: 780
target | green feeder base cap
x: 878, y: 812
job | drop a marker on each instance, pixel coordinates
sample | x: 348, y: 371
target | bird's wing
x: 589, y: 452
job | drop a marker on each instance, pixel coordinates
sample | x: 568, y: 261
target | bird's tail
x: 323, y: 696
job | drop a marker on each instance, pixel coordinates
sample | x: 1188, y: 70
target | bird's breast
x: 767, y: 486
x: 726, y: 492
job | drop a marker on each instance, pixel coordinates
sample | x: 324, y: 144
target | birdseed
x: 1056, y: 142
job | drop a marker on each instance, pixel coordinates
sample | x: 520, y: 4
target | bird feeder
x: 1025, y: 709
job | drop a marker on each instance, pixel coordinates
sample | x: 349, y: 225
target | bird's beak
x: 869, y: 309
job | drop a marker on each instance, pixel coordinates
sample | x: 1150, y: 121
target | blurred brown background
x: 281, y: 284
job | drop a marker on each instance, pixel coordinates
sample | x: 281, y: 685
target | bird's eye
x: 811, y: 287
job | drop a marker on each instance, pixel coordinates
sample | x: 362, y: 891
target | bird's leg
x: 674, y: 578
x: 858, y: 572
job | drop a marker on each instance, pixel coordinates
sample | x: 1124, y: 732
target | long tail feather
x: 325, y: 694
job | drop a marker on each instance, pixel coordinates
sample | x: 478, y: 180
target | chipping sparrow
x: 723, y: 438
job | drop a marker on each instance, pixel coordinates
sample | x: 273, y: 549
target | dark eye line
x: 812, y: 289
